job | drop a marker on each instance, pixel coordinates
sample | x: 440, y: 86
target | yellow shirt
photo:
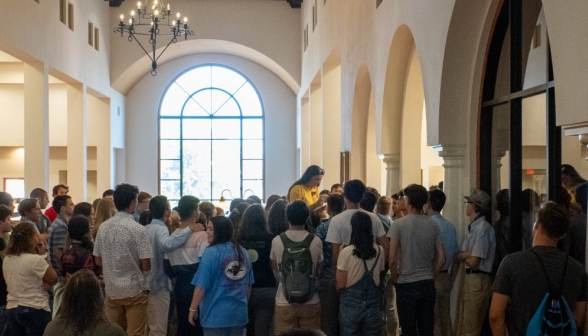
x: 303, y: 193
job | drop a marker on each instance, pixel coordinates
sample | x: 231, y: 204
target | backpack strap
x: 563, y: 273
x: 365, y: 269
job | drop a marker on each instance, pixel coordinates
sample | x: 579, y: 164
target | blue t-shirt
x: 225, y: 288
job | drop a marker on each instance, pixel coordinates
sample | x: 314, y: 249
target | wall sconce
x: 222, y: 198
x: 245, y: 193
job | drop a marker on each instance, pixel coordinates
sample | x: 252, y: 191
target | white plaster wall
x: 32, y: 31
x: 279, y: 105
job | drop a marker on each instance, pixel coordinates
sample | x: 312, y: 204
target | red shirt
x: 51, y: 214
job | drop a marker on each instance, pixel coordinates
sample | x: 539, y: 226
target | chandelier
x: 155, y: 22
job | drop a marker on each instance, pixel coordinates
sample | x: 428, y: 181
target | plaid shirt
x: 57, y: 236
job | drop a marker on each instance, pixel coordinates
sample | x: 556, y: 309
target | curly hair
x: 22, y: 239
x: 362, y: 237
x: 207, y: 208
x: 84, y: 314
x: 124, y: 195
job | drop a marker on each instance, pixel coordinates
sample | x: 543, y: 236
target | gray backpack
x: 298, y: 281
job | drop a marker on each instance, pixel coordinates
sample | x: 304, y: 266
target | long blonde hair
x: 103, y: 212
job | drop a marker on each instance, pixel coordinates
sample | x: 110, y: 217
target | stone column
x: 454, y: 185
x: 77, y: 158
x: 104, y: 151
x: 36, y: 126
x: 392, y: 162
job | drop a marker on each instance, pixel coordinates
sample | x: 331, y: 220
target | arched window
x: 211, y: 136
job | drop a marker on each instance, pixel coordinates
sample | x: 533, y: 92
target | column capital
x: 390, y: 158
x: 450, y: 151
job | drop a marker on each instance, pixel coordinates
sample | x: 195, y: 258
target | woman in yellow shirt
x: 306, y: 188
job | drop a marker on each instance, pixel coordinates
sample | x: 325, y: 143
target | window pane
x: 171, y: 189
x: 252, y: 169
x: 193, y: 108
x: 226, y: 129
x: 170, y: 169
x: 226, y: 163
x: 255, y: 185
x: 195, y: 79
x: 227, y: 79
x: 169, y: 149
x: 252, y: 149
x: 220, y: 101
x: 173, y: 100
x: 196, y: 165
x: 204, y: 99
x: 169, y: 128
x: 230, y: 108
x: 249, y: 101
x: 252, y: 129
x: 196, y: 128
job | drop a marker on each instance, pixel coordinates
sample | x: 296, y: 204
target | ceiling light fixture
x: 154, y: 22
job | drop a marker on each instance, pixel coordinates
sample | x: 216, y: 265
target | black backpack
x: 298, y: 281
x: 553, y: 316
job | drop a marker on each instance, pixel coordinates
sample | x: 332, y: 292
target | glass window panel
x: 230, y: 108
x: 252, y: 149
x: 252, y: 128
x: 196, y: 168
x: 173, y: 203
x: 219, y: 99
x: 196, y: 128
x: 226, y: 163
x: 536, y: 37
x: 226, y: 128
x: 194, y: 109
x: 534, y: 144
x: 173, y: 100
x: 169, y: 128
x: 252, y: 169
x: 195, y: 79
x: 169, y: 149
x: 254, y: 185
x: 204, y: 99
x: 170, y: 169
x: 249, y: 101
x: 171, y: 189
x: 227, y: 79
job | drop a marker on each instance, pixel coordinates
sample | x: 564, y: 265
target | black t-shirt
x: 521, y: 278
x: 259, y: 247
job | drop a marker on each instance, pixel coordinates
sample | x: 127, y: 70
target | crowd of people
x: 341, y: 261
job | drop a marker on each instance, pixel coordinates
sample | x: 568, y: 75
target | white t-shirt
x: 190, y: 252
x: 340, y: 227
x: 316, y: 251
x: 354, y: 265
x: 24, y: 281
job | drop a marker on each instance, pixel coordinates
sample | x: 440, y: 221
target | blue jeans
x: 231, y: 331
x: 28, y: 321
x: 4, y: 327
x: 416, y: 307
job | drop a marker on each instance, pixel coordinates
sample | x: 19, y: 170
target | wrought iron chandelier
x: 154, y: 22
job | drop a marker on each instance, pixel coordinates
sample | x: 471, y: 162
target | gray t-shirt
x: 418, y: 237
x: 340, y: 227
x: 521, y: 278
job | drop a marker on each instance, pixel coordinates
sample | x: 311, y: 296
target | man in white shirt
x: 340, y: 227
x: 123, y: 250
x: 307, y: 315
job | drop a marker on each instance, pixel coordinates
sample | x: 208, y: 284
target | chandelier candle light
x: 153, y: 20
